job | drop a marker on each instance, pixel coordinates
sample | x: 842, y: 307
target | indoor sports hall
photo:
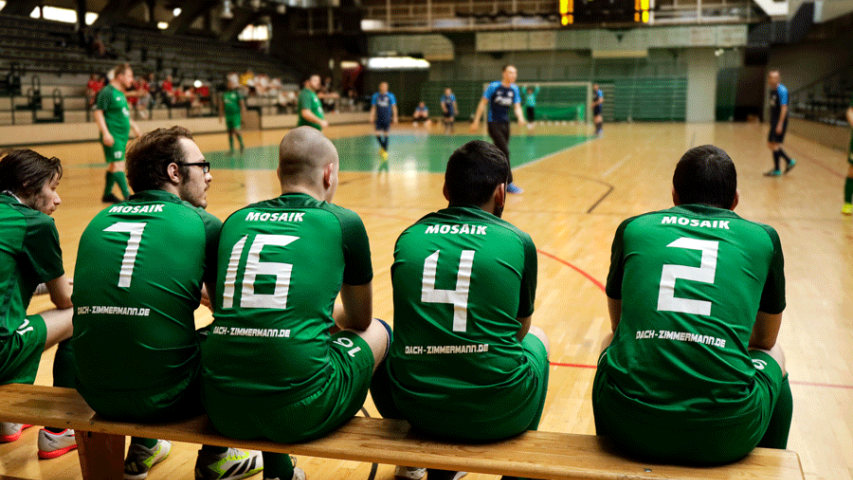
x: 673, y: 75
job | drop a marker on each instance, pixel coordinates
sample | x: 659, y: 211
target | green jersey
x: 231, y: 102
x: 29, y: 255
x: 693, y: 279
x: 138, y: 280
x: 462, y: 277
x: 530, y: 99
x: 116, y: 113
x: 309, y: 100
x: 281, y: 264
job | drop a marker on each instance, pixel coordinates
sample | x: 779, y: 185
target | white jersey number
x: 129, y: 261
x: 705, y: 272
x: 254, y: 267
x: 459, y: 297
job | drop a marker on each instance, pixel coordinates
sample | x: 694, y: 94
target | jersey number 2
x: 705, y: 272
x: 459, y: 297
x: 254, y: 267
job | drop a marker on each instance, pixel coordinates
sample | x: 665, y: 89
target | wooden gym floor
x: 573, y: 202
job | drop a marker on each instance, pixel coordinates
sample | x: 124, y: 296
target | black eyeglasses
x: 205, y: 166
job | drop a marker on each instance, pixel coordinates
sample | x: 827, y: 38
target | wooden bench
x: 545, y: 455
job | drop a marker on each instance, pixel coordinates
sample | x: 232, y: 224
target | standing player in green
x: 113, y: 118
x: 30, y: 255
x: 233, y: 107
x: 693, y: 374
x: 140, y: 270
x: 460, y: 336
x: 310, y: 106
x: 847, y: 209
x: 281, y: 264
x: 530, y: 106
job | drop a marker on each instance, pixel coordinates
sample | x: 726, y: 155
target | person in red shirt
x: 93, y: 86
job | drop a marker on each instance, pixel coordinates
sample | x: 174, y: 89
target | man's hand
x: 779, y: 129
x: 474, y: 126
x: 109, y: 141
x: 324, y: 124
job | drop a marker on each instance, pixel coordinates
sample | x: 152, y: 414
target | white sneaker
x: 409, y: 473
x: 9, y: 432
x: 140, y: 459
x: 52, y: 445
x: 231, y: 465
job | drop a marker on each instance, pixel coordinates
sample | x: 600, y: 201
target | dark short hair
x: 706, y: 175
x: 473, y: 172
x: 24, y: 172
x: 149, y: 157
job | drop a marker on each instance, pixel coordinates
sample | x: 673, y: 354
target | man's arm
x: 481, y: 108
x: 372, y: 113
x: 357, y: 312
x: 221, y: 107
x: 107, y: 137
x: 519, y: 114
x: 309, y: 116
x: 135, y: 128
x: 394, y: 109
x: 783, y: 113
x: 615, y: 308
x: 60, y: 292
x: 525, y: 327
x: 765, y: 330
x: 850, y: 116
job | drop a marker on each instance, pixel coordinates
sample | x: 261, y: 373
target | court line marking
x: 546, y: 157
x: 577, y: 269
x: 614, y: 167
x: 817, y: 162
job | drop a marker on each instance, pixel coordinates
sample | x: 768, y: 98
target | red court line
x: 817, y: 162
x: 572, y: 365
x: 577, y: 269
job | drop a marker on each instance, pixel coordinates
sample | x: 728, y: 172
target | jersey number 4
x: 254, y: 267
x: 459, y: 297
x: 705, y: 272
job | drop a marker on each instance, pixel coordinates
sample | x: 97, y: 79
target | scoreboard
x: 603, y: 11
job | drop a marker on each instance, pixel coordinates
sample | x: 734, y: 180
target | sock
x: 776, y: 435
x: 63, y: 365
x: 776, y: 159
x: 231, y: 142
x: 121, y: 180
x: 214, y: 449
x: 240, y: 139
x: 110, y: 182
x: 784, y: 155
x: 386, y: 142
x: 379, y: 139
x: 278, y: 465
x: 848, y: 190
x: 145, y: 442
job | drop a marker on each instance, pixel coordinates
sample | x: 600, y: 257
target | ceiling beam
x: 114, y: 11
x: 190, y: 11
x: 21, y: 7
x: 242, y: 17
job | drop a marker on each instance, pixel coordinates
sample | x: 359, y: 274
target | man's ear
x: 736, y: 200
x: 499, y: 195
x: 444, y: 191
x: 675, y: 200
x: 327, y: 175
x: 174, y: 173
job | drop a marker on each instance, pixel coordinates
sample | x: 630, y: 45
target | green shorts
x: 232, y: 123
x: 480, y: 414
x: 116, y: 152
x: 20, y: 353
x: 266, y: 416
x: 652, y: 434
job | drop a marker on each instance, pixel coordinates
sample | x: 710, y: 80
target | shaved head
x: 303, y: 157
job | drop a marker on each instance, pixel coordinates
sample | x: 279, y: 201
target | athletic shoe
x: 298, y: 474
x: 444, y: 474
x: 110, y: 199
x: 773, y: 173
x: 9, y: 432
x: 231, y: 465
x: 513, y: 188
x: 790, y: 166
x: 410, y: 473
x: 847, y: 209
x: 52, y: 445
x: 384, y: 154
x: 140, y: 459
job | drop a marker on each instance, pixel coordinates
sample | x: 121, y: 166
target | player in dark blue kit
x: 501, y: 97
x: 778, y: 124
x: 383, y: 112
x: 448, y: 107
x: 597, y: 102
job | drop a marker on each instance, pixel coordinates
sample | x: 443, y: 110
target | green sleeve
x: 617, y: 263
x: 304, y: 100
x: 773, y: 295
x: 536, y: 91
x: 103, y: 100
x: 528, y: 278
x: 41, y: 248
x: 358, y: 269
x: 212, y: 228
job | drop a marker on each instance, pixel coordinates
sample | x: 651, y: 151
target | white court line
x: 614, y: 167
x: 546, y: 157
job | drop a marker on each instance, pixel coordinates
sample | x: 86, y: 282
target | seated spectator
x: 421, y: 116
x: 93, y: 86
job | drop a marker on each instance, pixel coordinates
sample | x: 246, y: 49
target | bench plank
x: 547, y: 455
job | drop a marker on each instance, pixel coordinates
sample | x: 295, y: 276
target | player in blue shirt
x: 449, y: 108
x: 421, y: 116
x: 383, y: 112
x: 597, y: 102
x: 501, y: 97
x: 778, y: 124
